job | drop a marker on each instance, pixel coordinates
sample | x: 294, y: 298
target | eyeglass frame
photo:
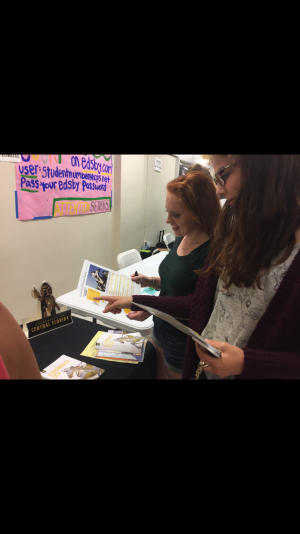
x: 218, y: 179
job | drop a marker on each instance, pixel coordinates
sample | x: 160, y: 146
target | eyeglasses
x: 222, y: 175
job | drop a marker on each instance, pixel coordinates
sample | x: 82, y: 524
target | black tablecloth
x: 72, y: 339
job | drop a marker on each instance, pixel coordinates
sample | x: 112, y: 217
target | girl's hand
x: 138, y: 315
x: 144, y: 280
x: 231, y: 363
x: 116, y: 304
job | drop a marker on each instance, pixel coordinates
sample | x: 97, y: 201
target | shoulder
x: 15, y: 348
x: 177, y: 242
x: 173, y: 250
x: 202, y: 252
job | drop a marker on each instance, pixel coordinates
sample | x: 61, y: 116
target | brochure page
x: 96, y: 281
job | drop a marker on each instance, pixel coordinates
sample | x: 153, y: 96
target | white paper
x: 158, y: 165
x: 97, y: 281
x: 14, y: 158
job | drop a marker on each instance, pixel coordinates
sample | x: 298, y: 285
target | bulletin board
x: 60, y: 185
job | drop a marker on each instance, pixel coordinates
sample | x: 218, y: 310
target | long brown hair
x: 198, y: 195
x: 262, y: 222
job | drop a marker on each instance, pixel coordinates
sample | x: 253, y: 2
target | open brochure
x: 96, y: 281
x: 177, y: 324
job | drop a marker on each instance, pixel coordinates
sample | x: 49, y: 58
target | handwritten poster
x: 59, y: 185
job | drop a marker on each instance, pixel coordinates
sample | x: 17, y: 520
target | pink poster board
x: 59, y: 185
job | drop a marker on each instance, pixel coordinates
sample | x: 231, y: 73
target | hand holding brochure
x: 98, y: 281
x: 177, y: 324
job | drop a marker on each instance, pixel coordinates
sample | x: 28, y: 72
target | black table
x: 72, y: 339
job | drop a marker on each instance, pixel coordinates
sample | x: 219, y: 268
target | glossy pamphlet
x: 177, y: 324
x: 66, y: 368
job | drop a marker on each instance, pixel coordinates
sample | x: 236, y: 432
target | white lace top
x: 237, y: 311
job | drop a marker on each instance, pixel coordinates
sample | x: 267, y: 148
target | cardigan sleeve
x: 178, y: 307
x: 270, y: 365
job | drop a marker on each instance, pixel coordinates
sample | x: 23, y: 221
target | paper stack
x: 117, y: 346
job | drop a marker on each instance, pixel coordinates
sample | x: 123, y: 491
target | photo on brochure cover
x: 97, y: 278
x: 137, y: 340
x: 83, y: 370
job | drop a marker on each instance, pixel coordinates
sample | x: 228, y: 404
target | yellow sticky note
x: 92, y: 293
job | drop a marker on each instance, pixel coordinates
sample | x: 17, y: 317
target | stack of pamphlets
x: 117, y: 346
x: 66, y: 368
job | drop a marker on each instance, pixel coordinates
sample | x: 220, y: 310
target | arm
x: 36, y: 294
x: 15, y: 349
x: 154, y: 282
x: 178, y: 307
x: 146, y: 281
x: 271, y: 364
x: 250, y: 363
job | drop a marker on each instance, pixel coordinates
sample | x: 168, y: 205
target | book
x: 177, y: 324
x: 96, y: 281
x: 112, y: 352
x: 125, y: 346
x: 66, y: 368
x: 131, y: 343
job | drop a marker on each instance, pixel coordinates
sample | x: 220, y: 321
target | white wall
x: 156, y: 196
x: 143, y: 194
x: 133, y: 181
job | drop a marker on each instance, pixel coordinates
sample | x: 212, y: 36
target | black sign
x: 41, y: 326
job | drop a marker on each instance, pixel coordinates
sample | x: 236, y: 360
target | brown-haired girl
x: 247, y: 299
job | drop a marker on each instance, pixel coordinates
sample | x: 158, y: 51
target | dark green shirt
x: 178, y: 278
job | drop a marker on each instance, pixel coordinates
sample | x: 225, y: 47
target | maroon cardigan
x: 273, y: 350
